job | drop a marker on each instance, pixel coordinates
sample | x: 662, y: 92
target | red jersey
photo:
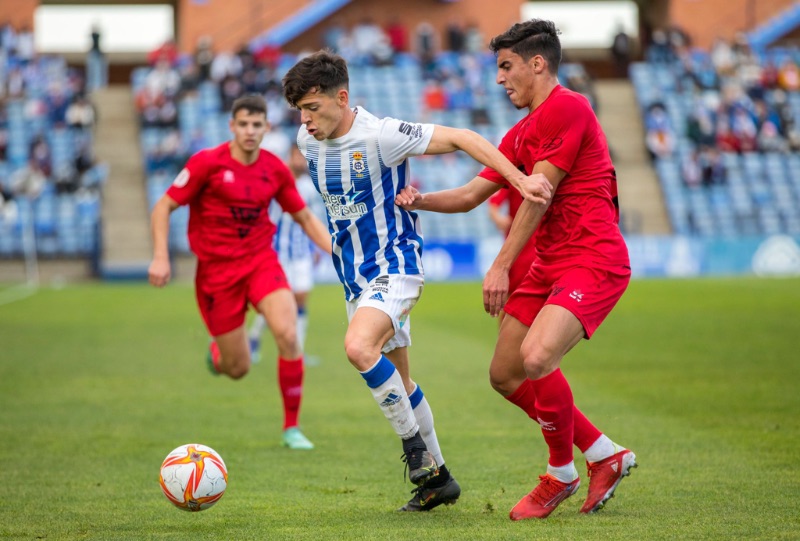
x: 582, y: 223
x: 229, y: 201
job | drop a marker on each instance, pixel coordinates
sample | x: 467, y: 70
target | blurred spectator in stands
x: 704, y: 75
x: 659, y: 133
x: 8, y: 207
x: 166, y: 52
x: 278, y: 113
x: 164, y: 79
x: 789, y: 76
x: 579, y: 81
x: 741, y: 48
x: 749, y: 74
x: 246, y: 57
x: 15, y: 83
x: 459, y: 96
x: 253, y: 82
x: 3, y: 142
x: 621, y: 50
x: 456, y: 37
x: 230, y: 88
x: 474, y: 42
x: 80, y: 114
x: 268, y: 58
x: 660, y: 51
x: 157, y: 161
x: 700, y: 125
x: 722, y: 57
x: 277, y: 142
x: 224, y: 65
x: 711, y: 165
x: 57, y: 104
x: 28, y: 181
x: 434, y: 97
x: 371, y: 44
x: 679, y: 41
x: 96, y: 63
x: 743, y: 128
x: 204, y: 56
x: 769, y: 75
x: 26, y: 49
x: 426, y: 46
x: 691, y: 172
x: 770, y: 139
x: 190, y: 78
x: 41, y: 159
x: 154, y: 107
x: 398, y: 35
x: 8, y: 37
x: 726, y: 141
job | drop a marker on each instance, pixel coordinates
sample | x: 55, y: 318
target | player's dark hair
x: 252, y: 103
x: 323, y: 71
x: 530, y: 38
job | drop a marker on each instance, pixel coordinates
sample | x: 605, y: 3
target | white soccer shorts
x: 299, y: 273
x: 395, y: 295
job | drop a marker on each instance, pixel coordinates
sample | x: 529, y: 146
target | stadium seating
x: 60, y: 224
x: 761, y: 191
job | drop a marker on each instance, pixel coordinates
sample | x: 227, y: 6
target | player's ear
x: 539, y: 63
x: 342, y: 97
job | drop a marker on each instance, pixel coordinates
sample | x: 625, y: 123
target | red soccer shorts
x: 223, y: 288
x: 588, y: 292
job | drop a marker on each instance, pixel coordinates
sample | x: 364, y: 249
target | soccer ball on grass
x: 193, y: 477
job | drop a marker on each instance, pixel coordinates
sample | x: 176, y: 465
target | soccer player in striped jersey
x: 296, y: 254
x: 578, y: 271
x: 358, y: 164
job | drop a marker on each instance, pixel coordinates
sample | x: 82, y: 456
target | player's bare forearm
x: 461, y: 199
x: 314, y: 229
x: 446, y: 139
x: 495, y: 283
x: 160, y: 270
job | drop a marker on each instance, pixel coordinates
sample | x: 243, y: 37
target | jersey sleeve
x: 287, y: 196
x: 562, y: 128
x: 507, y: 149
x: 399, y: 139
x: 191, y: 180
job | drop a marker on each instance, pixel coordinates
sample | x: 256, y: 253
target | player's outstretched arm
x: 160, y: 270
x: 461, y: 199
x: 314, y: 229
x: 535, y: 188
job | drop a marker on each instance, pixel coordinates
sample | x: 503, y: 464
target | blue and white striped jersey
x: 358, y: 176
x: 290, y: 241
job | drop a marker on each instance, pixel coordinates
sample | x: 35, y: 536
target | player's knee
x: 359, y: 352
x: 286, y: 340
x: 502, y: 381
x: 238, y: 369
x: 538, y: 361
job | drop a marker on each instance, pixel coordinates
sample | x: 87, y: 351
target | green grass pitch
x: 99, y: 382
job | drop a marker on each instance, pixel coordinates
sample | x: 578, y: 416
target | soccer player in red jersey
x: 229, y: 189
x: 579, y: 272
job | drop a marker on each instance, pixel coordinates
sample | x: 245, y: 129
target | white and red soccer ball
x: 193, y: 477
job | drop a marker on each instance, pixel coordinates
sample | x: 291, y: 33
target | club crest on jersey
x: 357, y: 164
x: 227, y: 176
